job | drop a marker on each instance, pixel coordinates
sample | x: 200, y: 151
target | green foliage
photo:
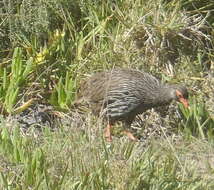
x: 48, y: 46
x: 65, y: 160
x: 197, y: 120
x: 64, y: 92
x: 149, y: 174
x: 17, y: 150
x: 13, y: 78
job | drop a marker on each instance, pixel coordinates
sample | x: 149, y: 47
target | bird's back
x: 118, y: 93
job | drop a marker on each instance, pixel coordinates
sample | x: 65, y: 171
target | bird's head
x: 180, y: 94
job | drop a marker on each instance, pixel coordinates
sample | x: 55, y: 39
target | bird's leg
x: 107, y: 133
x: 126, y: 125
x: 130, y: 135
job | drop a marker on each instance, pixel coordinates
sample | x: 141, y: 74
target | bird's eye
x: 179, y: 95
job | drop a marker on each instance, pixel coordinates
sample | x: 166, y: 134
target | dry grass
x: 172, y: 40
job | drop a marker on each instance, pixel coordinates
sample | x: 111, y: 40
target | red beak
x: 184, y: 102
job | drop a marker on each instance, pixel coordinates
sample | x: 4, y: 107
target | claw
x: 107, y: 133
x: 130, y: 135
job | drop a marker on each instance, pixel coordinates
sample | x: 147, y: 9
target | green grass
x: 70, y: 158
x: 48, y: 47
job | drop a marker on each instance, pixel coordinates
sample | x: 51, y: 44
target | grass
x: 72, y: 159
x: 48, y: 47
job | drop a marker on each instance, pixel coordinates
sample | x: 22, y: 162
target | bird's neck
x: 161, y: 96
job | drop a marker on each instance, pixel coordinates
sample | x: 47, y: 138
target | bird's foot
x: 107, y: 133
x: 130, y: 135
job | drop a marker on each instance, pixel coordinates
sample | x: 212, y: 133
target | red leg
x: 130, y: 135
x: 107, y: 133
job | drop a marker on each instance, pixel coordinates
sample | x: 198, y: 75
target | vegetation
x: 49, y: 46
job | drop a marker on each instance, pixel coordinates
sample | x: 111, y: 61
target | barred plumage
x: 121, y: 94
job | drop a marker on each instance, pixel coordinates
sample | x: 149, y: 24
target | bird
x: 121, y: 94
